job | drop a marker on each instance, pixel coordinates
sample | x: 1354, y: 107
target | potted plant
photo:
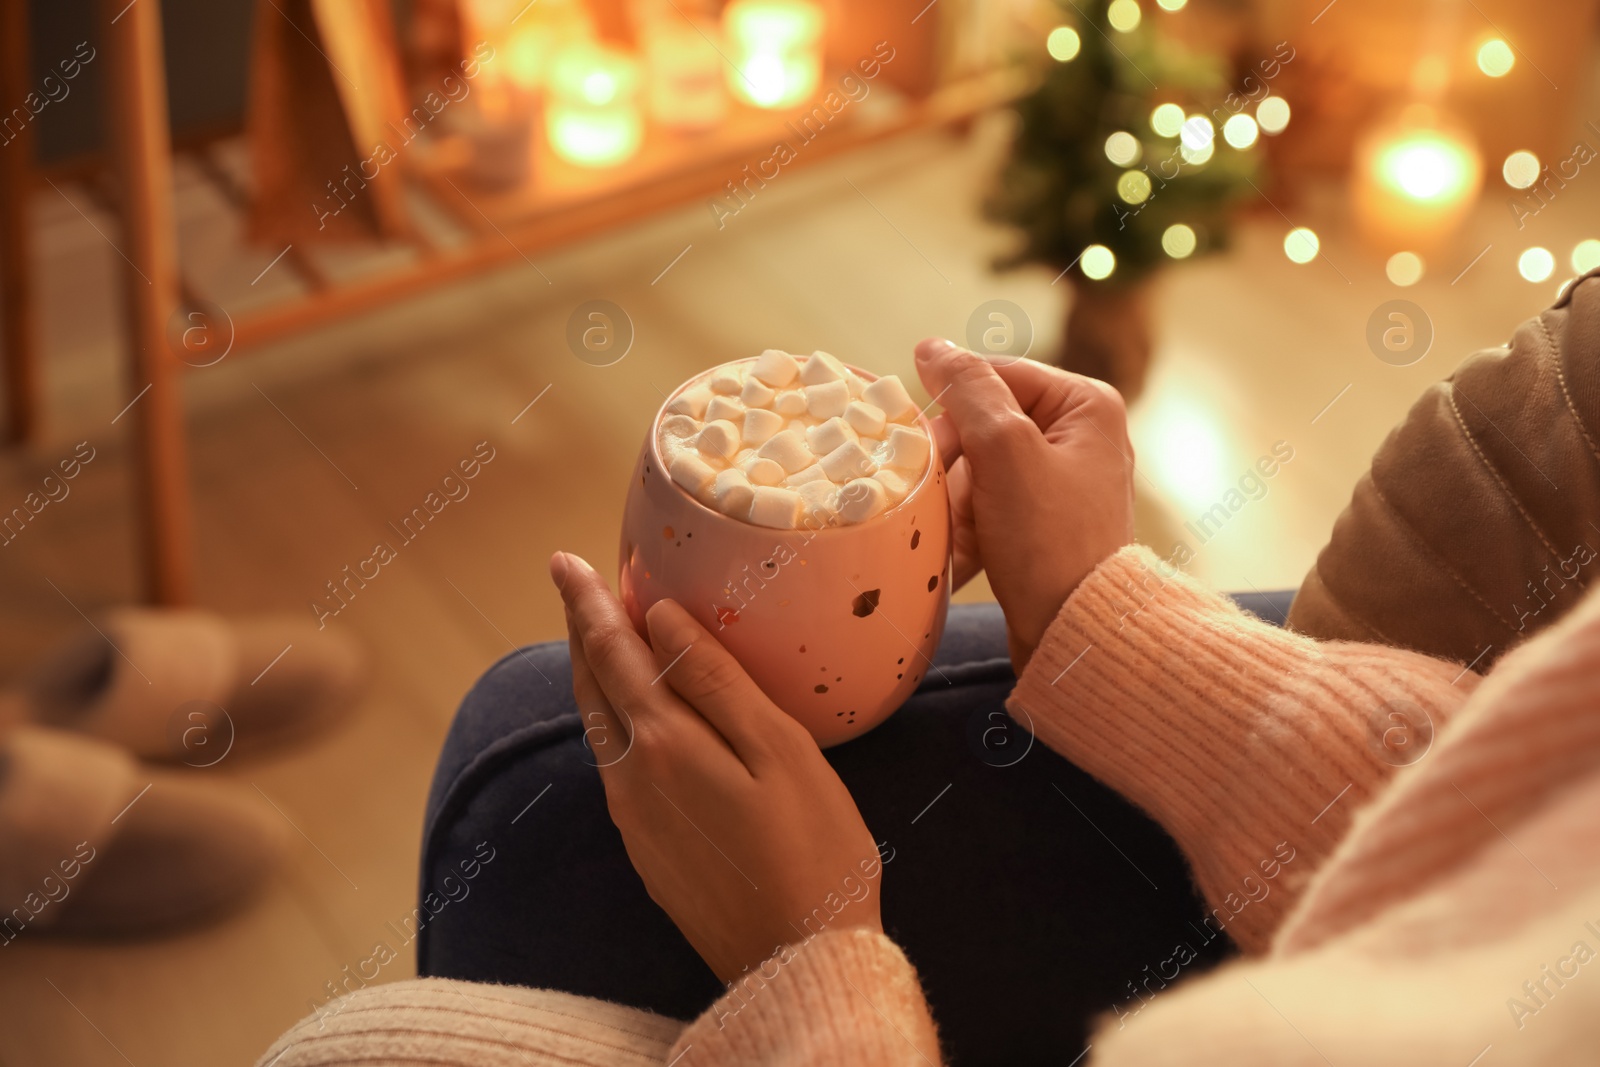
x: 1110, y: 177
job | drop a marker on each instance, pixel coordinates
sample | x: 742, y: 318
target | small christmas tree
x: 1124, y: 158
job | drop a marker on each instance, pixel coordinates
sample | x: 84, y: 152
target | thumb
x: 977, y: 401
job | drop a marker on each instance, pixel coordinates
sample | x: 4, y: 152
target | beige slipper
x: 194, y: 687
x: 92, y: 844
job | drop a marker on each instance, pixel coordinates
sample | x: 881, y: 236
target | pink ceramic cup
x: 836, y: 625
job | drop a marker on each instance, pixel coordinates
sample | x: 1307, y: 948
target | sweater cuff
x: 845, y: 997
x: 1252, y: 746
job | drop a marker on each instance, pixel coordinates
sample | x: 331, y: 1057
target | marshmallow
x: 828, y: 399
x: 763, y: 471
x: 861, y: 499
x: 820, y: 368
x: 760, y: 424
x: 756, y: 394
x: 788, y: 449
x: 848, y: 461
x: 724, y: 407
x: 691, y: 472
x: 718, y: 441
x: 908, y: 449
x: 679, y: 426
x: 828, y: 436
x: 893, y: 482
x: 775, y: 367
x: 788, y: 442
x: 671, y: 447
x: 820, y: 502
x: 888, y: 394
x: 692, y: 401
x: 813, y: 473
x: 789, y: 403
x: 733, y: 492
x: 864, y: 418
x: 775, y: 507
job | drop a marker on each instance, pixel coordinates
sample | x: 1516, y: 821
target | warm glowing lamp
x: 593, y: 117
x: 776, y: 50
x: 1415, y: 179
x: 1426, y: 168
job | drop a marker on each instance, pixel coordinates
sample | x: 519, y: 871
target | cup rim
x: 655, y: 454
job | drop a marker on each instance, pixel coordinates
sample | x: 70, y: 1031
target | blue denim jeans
x: 1030, y: 898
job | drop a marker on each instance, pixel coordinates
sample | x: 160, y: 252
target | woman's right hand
x: 1040, y: 475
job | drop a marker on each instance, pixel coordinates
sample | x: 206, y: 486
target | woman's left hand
x: 738, y: 826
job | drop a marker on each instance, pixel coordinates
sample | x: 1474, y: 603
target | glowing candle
x: 593, y: 116
x: 1415, y: 179
x: 538, y: 35
x: 526, y: 56
x: 777, y: 50
x: 684, y: 75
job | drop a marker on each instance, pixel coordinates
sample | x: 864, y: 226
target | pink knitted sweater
x: 1408, y: 855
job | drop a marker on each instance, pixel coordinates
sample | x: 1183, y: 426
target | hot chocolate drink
x: 796, y: 508
x: 793, y: 442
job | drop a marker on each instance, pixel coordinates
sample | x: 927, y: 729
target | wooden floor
x: 364, y: 420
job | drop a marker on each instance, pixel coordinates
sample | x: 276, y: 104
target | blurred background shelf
x: 448, y: 229
x: 567, y: 203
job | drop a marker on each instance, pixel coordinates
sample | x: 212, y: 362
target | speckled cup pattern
x: 837, y: 626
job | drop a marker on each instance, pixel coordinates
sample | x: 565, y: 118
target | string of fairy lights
x: 1427, y: 167
x: 1195, y: 134
x: 1521, y: 170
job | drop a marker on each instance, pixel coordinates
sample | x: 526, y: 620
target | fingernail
x: 558, y: 569
x: 663, y: 622
x: 935, y: 346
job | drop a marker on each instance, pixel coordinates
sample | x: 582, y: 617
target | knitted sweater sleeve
x: 1252, y: 746
x: 847, y: 998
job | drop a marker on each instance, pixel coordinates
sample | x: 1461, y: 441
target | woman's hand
x: 1041, y: 479
x: 738, y: 826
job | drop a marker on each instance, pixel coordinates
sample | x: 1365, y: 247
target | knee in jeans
x: 530, y: 684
